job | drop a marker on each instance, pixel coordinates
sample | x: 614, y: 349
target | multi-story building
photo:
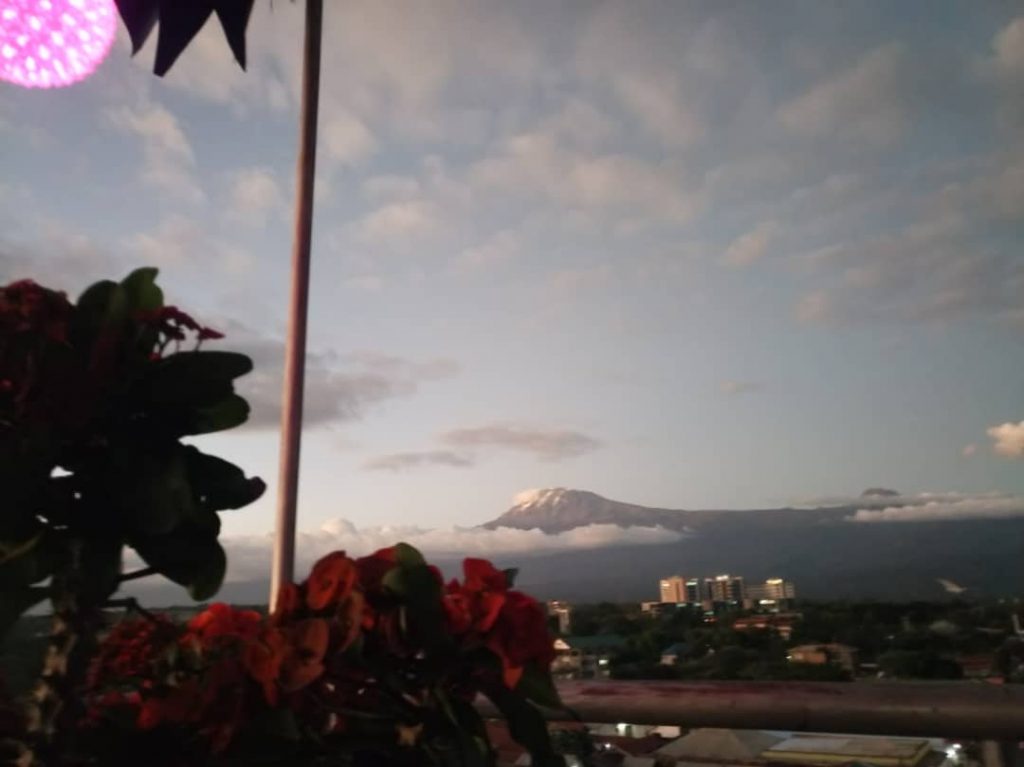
x: 772, y: 594
x: 562, y: 612
x: 673, y: 589
x: 725, y: 588
x: 772, y: 589
x: 694, y: 591
x: 585, y: 657
x: 821, y: 654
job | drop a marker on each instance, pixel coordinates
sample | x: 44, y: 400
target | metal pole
x: 295, y: 347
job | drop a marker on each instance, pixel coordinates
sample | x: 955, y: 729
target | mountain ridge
x: 557, y: 510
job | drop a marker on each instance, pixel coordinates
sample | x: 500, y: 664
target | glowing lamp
x: 53, y: 43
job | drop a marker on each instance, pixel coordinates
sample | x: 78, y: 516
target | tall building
x: 673, y: 589
x: 772, y: 590
x: 725, y: 588
x: 694, y: 591
x: 562, y: 612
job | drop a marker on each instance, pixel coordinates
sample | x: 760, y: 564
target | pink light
x: 53, y: 43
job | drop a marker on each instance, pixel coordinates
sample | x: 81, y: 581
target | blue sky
x: 680, y: 254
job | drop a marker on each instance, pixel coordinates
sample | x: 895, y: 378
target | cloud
x: 399, y: 225
x: 57, y: 256
x: 544, y: 444
x: 869, y: 102
x: 536, y: 163
x: 168, y: 160
x: 1008, y: 439
x: 954, y: 257
x: 346, y: 139
x: 179, y: 242
x: 173, y: 243
x: 249, y: 556
x: 390, y: 187
x: 497, y: 249
x: 628, y: 56
x: 256, y: 193
x: 969, y: 450
x: 413, y: 460
x: 992, y: 506
x: 924, y: 507
x: 338, y: 387
x: 815, y: 306
x: 751, y: 247
x: 1008, y: 49
x: 739, y: 387
x: 1005, y: 68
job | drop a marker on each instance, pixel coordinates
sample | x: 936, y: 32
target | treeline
x: 917, y: 640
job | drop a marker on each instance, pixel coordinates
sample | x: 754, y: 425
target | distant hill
x: 558, y: 509
x: 828, y: 556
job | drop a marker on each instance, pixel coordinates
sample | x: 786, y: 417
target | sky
x: 681, y: 254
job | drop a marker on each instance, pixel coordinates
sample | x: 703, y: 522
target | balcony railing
x: 953, y: 710
x: 991, y: 714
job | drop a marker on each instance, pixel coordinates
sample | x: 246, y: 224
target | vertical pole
x: 295, y: 347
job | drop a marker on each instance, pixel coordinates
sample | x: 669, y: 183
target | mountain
x: 556, y: 510
x: 827, y: 555
x: 820, y: 549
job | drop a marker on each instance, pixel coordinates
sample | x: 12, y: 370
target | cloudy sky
x: 680, y: 254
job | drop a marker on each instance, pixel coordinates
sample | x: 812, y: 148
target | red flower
x: 481, y: 575
x: 330, y: 581
x: 304, y: 662
x: 373, y: 568
x: 458, y: 609
x: 221, y: 621
x: 263, y: 659
x: 521, y: 636
x: 289, y: 600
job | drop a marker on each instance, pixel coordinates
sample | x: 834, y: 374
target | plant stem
x: 55, y: 707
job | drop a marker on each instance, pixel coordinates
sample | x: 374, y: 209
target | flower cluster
x: 509, y: 623
x: 360, y: 641
x: 171, y: 324
x: 32, y: 319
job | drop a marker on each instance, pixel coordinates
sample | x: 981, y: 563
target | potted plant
x: 373, y: 660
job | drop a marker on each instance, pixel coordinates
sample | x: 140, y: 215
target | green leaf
x: 14, y: 601
x: 190, y: 556
x: 102, y: 307
x: 227, y: 414
x: 218, y: 484
x: 152, y: 489
x: 510, y: 575
x: 196, y: 378
x: 418, y: 588
x: 537, y: 685
x: 11, y: 550
x: 141, y: 291
x: 26, y: 561
x: 408, y: 556
x: 474, y: 745
x: 99, y: 566
x: 526, y: 725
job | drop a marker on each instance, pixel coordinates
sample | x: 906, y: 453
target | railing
x: 967, y: 710
x: 953, y: 710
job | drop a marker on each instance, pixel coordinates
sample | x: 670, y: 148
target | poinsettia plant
x: 368, y: 661
x: 373, y: 660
